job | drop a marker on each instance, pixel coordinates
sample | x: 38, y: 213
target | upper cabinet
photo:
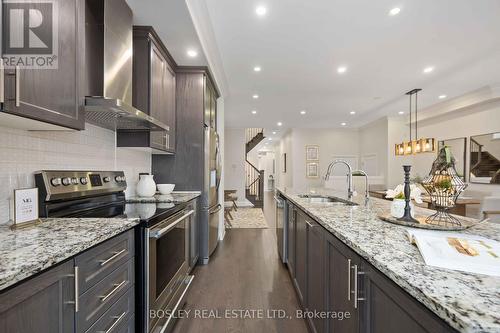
x: 41, y: 74
x: 210, y: 104
x: 153, y: 89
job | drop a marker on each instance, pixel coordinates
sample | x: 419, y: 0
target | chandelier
x: 416, y: 146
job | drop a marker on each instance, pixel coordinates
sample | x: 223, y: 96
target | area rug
x: 247, y: 218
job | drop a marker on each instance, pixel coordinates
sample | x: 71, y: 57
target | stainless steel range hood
x: 108, y: 60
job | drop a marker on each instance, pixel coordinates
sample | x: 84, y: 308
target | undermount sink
x: 321, y: 199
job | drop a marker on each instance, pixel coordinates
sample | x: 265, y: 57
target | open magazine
x: 462, y: 252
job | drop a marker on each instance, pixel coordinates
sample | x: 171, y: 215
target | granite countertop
x: 174, y: 197
x: 467, y: 302
x: 25, y: 252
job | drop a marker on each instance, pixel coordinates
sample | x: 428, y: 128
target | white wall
x: 284, y: 179
x: 24, y: 152
x: 234, y: 162
x: 373, y: 140
x: 266, y: 163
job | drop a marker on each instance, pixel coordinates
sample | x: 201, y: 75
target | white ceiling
x: 172, y: 22
x: 299, y: 45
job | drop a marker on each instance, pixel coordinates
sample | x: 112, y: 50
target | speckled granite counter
x: 26, y: 252
x: 174, y: 197
x: 467, y: 302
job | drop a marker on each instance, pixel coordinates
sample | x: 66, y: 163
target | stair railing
x: 251, y: 133
x: 476, y: 147
x: 254, y: 181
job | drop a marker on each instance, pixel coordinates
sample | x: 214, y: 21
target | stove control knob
x: 106, y: 179
x: 55, y: 181
x: 83, y: 180
x: 74, y: 181
x: 118, y: 179
x: 66, y: 181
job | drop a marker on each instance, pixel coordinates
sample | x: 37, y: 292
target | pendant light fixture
x: 415, y: 146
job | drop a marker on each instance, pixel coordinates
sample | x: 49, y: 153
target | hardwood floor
x: 244, y: 274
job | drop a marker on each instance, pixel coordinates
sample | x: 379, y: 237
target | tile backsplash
x: 24, y: 152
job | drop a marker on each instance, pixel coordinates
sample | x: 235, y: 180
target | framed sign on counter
x: 25, y: 208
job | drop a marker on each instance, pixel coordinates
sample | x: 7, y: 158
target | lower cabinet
x: 315, y: 300
x: 291, y: 239
x: 44, y: 304
x: 340, y: 286
x: 93, y: 292
x: 301, y: 255
x: 352, y: 295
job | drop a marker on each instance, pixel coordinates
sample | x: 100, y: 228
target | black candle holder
x: 407, y: 191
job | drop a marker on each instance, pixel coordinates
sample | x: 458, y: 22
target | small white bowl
x: 165, y: 188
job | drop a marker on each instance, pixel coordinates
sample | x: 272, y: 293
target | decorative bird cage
x: 444, y: 186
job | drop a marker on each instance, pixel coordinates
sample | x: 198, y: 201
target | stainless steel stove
x: 162, y: 237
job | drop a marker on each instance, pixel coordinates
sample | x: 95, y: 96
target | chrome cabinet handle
x: 18, y: 86
x: 116, y: 322
x: 2, y: 82
x: 310, y: 224
x: 114, y: 290
x: 356, y: 298
x: 115, y: 255
x: 349, y: 279
x: 77, y: 291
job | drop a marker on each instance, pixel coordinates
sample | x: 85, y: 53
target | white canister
x: 398, y: 208
x: 146, y: 187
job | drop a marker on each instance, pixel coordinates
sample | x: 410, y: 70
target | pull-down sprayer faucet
x: 349, y: 176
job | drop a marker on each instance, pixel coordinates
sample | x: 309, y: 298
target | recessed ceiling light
x: 341, y: 69
x: 254, y: 112
x: 261, y: 10
x: 270, y: 139
x: 394, y: 11
x: 274, y: 133
x: 343, y: 124
x: 442, y: 96
x: 279, y: 123
x: 192, y: 53
x: 257, y: 69
x: 255, y: 96
x: 303, y: 112
x: 352, y: 112
x: 428, y: 69
x: 401, y: 112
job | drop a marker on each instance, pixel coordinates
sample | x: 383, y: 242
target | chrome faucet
x: 367, y: 194
x: 349, y: 176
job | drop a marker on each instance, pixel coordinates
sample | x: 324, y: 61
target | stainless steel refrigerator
x: 210, y: 195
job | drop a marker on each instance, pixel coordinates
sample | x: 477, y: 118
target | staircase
x: 254, y: 178
x: 483, y: 163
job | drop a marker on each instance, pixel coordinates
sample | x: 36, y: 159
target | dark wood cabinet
x: 316, y: 273
x: 301, y: 255
x: 104, y: 293
x: 154, y: 92
x: 291, y: 240
x: 52, y: 95
x: 340, y: 261
x: 388, y: 308
x: 210, y: 105
x: 44, y: 304
x: 332, y: 278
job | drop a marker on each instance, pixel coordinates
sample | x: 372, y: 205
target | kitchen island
x: 451, y: 300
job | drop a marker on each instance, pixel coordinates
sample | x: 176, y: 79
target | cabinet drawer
x: 116, y: 319
x: 100, y: 297
x: 95, y: 264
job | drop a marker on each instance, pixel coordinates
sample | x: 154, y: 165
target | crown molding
x: 203, y: 26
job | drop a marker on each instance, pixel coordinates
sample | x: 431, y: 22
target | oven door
x: 168, y: 262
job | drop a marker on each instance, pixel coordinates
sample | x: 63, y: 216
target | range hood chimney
x: 108, y: 65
